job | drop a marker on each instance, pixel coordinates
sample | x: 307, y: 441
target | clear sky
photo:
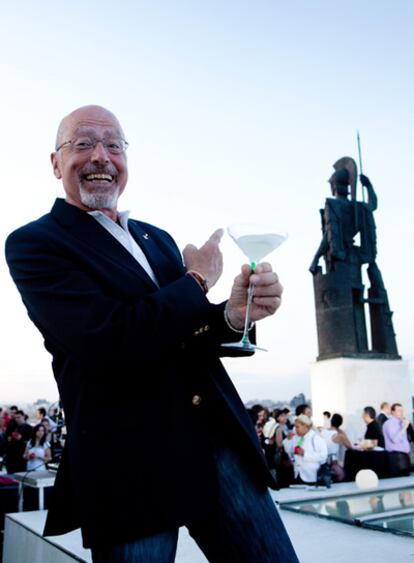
x: 235, y: 111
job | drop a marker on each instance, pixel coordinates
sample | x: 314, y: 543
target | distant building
x: 271, y: 404
x: 41, y: 402
x: 299, y: 399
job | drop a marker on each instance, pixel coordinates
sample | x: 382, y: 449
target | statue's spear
x: 360, y: 164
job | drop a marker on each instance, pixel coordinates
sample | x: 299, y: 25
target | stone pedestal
x: 347, y: 385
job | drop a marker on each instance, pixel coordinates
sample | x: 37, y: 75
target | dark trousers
x: 244, y: 527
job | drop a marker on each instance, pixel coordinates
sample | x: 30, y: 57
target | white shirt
x: 316, y: 453
x: 333, y: 448
x: 37, y: 464
x: 123, y: 236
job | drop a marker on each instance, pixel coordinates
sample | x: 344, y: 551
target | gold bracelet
x: 200, y: 279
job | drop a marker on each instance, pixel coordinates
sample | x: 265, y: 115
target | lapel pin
x: 146, y: 236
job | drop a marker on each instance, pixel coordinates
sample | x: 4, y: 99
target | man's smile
x: 99, y: 177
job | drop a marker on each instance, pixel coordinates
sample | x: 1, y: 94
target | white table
x: 36, y: 479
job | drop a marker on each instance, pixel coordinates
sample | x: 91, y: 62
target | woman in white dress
x: 337, y: 441
x: 37, y: 451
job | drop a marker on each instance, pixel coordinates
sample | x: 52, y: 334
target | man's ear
x: 55, y: 164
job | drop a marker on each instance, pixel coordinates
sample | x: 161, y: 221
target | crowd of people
x: 30, y: 447
x: 295, y: 449
x: 298, y: 452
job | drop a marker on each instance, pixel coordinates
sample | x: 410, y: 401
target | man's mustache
x: 95, y: 169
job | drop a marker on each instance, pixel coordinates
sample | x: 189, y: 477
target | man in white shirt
x: 307, y: 450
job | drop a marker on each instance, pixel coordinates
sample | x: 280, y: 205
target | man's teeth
x: 99, y: 177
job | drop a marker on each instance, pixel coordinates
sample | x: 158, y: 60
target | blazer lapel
x: 165, y: 267
x: 90, y: 233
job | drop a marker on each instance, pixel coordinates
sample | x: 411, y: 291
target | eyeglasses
x: 86, y: 144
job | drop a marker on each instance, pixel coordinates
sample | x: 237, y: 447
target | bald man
x: 131, y: 331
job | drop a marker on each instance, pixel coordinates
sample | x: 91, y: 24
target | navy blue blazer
x: 129, y: 358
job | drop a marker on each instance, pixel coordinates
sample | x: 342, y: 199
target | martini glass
x: 256, y: 242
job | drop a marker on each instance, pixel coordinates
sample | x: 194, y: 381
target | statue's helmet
x: 340, y: 176
x: 340, y: 181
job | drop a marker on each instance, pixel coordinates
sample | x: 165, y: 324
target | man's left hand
x: 266, y: 297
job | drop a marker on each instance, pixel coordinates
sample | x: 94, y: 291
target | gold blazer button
x: 196, y: 400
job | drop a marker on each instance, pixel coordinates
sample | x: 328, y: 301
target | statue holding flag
x: 348, y: 243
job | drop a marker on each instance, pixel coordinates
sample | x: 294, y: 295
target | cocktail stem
x: 250, y: 292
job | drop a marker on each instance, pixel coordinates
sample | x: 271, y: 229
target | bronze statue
x: 339, y: 292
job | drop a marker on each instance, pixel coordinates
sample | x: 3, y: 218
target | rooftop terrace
x: 315, y: 539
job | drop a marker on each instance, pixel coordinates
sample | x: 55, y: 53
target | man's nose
x: 99, y: 153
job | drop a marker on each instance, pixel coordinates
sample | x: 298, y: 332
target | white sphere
x: 366, y: 479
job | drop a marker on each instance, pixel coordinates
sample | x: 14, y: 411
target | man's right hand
x: 206, y: 260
